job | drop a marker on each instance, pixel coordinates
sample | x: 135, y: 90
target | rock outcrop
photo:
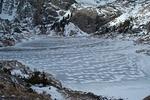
x: 91, y: 19
x: 18, y: 82
x: 12, y: 86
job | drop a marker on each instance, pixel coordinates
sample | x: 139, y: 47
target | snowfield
x: 103, y: 66
x: 94, y: 2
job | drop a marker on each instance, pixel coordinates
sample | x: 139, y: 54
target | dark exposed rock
x: 8, y: 42
x: 126, y: 26
x: 44, y: 79
x: 1, y: 5
x: 91, y: 19
x: 59, y: 25
x: 17, y: 30
x: 147, y: 98
x: 148, y: 27
x: 86, y: 19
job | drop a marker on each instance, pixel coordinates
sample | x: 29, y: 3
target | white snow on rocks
x: 7, y: 16
x: 72, y: 30
x: 55, y: 95
x: 94, y: 2
x: 18, y: 72
x: 138, y: 10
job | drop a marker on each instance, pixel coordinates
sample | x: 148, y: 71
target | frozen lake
x: 107, y: 67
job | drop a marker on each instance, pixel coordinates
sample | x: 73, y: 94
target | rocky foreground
x: 18, y: 82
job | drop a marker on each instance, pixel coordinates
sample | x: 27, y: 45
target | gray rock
x: 91, y: 19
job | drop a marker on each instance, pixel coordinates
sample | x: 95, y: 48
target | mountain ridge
x: 21, y: 18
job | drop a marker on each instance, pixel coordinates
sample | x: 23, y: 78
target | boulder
x: 91, y: 19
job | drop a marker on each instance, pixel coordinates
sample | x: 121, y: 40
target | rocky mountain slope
x: 22, y: 18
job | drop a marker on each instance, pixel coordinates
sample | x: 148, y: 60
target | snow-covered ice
x: 103, y: 66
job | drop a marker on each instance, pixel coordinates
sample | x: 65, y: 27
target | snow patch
x: 94, y: 2
x: 18, y: 72
x: 120, y: 19
x: 6, y: 13
x: 7, y: 16
x: 72, y: 30
x: 49, y: 90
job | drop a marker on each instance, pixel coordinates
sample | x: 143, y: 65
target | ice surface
x: 128, y: 90
x: 88, y: 62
